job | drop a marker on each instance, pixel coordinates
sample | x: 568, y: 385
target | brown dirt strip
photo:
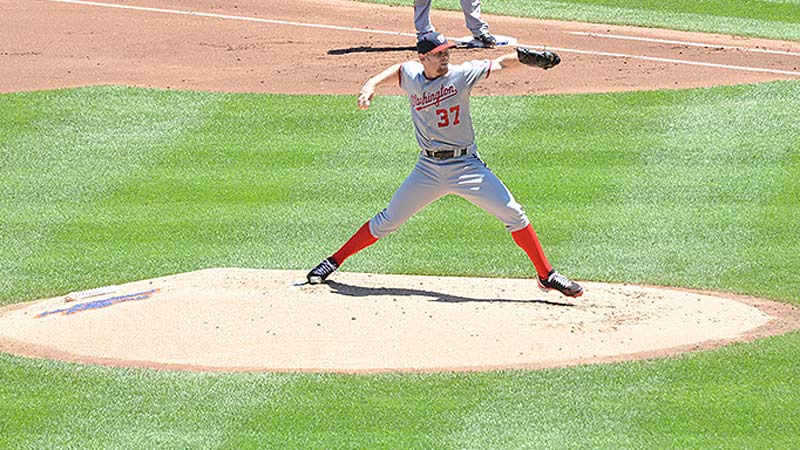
x: 47, y: 45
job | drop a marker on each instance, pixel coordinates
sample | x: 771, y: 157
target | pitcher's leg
x: 419, y: 189
x: 480, y: 186
x: 527, y: 240
x: 422, y: 186
x: 359, y: 241
x: 422, y: 17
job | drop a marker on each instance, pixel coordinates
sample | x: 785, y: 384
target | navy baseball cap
x: 433, y: 42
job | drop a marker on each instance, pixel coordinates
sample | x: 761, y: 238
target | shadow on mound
x: 233, y: 319
x: 361, y: 291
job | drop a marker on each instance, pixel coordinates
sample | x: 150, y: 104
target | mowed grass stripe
x: 214, y: 194
x: 739, y: 396
x: 684, y: 209
x: 776, y: 245
x: 645, y: 187
x: 261, y: 184
x: 63, y: 152
x: 762, y: 18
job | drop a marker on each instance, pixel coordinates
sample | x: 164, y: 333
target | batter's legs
x: 472, y: 15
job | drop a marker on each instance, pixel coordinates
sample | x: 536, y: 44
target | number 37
x: 444, y: 116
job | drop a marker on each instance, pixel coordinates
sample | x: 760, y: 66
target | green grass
x: 689, y: 188
x: 774, y: 19
x: 692, y: 188
x: 743, y: 396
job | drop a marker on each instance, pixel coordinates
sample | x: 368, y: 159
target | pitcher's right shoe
x: 560, y: 283
x: 320, y: 273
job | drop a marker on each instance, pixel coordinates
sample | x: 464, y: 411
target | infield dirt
x: 49, y: 45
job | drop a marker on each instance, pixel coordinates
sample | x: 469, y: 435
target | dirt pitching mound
x: 243, y: 319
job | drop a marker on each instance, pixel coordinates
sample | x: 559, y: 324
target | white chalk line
x: 680, y: 61
x: 226, y: 16
x: 397, y: 33
x: 686, y: 43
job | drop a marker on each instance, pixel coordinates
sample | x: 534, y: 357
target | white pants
x: 472, y: 14
x: 466, y: 176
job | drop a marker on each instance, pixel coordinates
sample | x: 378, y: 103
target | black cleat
x: 320, y: 273
x: 487, y: 40
x: 560, y: 283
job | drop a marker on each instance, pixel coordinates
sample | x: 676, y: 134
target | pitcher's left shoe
x: 560, y: 283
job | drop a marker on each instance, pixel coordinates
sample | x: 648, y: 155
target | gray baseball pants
x: 472, y: 14
x: 466, y: 176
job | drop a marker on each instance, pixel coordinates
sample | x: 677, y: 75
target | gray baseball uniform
x: 472, y: 14
x: 443, y: 125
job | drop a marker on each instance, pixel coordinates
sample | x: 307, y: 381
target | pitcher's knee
x: 517, y: 225
x: 382, y: 224
x: 514, y: 218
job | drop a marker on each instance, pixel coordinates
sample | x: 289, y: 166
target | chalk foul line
x: 397, y: 33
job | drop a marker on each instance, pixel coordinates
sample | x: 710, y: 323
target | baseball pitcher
x: 438, y: 94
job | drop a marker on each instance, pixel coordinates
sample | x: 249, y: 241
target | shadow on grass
x: 359, y: 291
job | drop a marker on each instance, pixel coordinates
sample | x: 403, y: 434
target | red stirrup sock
x: 527, y: 240
x: 361, y: 240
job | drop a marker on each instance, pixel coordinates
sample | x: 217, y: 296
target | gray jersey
x: 440, y: 107
x: 440, y: 111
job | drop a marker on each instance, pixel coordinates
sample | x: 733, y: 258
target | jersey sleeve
x: 407, y: 72
x: 477, y: 70
x: 400, y: 76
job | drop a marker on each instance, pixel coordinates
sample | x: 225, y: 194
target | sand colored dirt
x: 245, y: 319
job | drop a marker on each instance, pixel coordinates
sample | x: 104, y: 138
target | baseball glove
x: 544, y: 60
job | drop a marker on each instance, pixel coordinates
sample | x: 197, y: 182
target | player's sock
x: 527, y: 240
x: 361, y: 240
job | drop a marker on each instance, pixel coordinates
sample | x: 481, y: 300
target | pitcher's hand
x: 365, y: 97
